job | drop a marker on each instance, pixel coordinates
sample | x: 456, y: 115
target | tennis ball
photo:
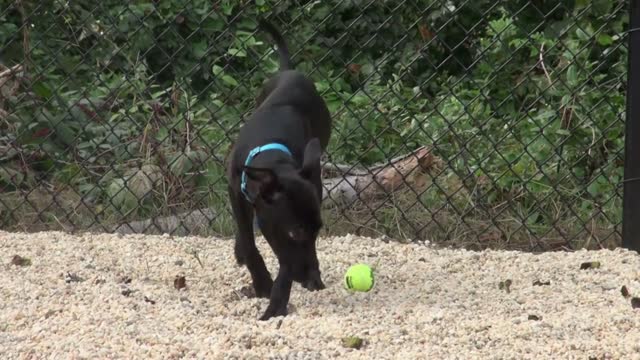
x: 359, y: 277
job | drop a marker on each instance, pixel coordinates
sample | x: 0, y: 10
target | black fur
x: 287, y: 190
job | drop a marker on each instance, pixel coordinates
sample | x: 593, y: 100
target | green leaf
x: 69, y: 63
x: 140, y: 10
x: 229, y: 80
x: 564, y: 132
x: 216, y: 70
x: 227, y: 7
x: 8, y: 154
x: 197, y: 157
x: 334, y: 105
x: 594, y: 188
x: 585, y: 33
x: 69, y: 174
x: 42, y: 90
x: 519, y: 168
x: 199, y: 49
x: 180, y: 164
x: 604, y: 40
x: 600, y: 7
x: 213, y: 23
x: 89, y: 190
x: 65, y: 133
x: 10, y: 176
x: 237, y: 52
x: 214, y: 173
x: 120, y: 195
x: 581, y: 3
x: 572, y: 76
x: 598, y: 186
x: 162, y: 134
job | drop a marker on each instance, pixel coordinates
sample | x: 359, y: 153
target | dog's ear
x: 267, y: 180
x: 311, y: 161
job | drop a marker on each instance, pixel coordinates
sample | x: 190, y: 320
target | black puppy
x: 274, y: 174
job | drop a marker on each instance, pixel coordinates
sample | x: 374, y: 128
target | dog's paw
x: 314, y: 283
x: 273, y: 311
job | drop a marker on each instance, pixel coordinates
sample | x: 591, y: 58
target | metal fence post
x: 631, y: 200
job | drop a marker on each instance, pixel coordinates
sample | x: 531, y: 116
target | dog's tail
x: 283, y: 49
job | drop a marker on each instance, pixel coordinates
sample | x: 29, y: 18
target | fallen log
x: 186, y: 223
x: 342, y: 190
x: 382, y: 179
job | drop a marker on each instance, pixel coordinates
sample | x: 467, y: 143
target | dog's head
x: 288, y: 208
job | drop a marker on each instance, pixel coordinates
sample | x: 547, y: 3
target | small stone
x: 180, y: 282
x: 541, y: 283
x: 18, y: 260
x: 609, y: 286
x: 624, y: 291
x: 50, y: 313
x: 590, y: 265
x: 152, y: 302
x: 71, y: 278
x: 247, y: 292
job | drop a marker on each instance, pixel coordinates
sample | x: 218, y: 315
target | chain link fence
x: 468, y: 123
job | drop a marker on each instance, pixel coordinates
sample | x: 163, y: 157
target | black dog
x: 274, y: 174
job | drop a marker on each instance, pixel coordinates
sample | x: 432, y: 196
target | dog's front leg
x: 279, y: 294
x: 245, y: 247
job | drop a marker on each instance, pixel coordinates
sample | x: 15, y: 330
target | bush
x: 134, y: 106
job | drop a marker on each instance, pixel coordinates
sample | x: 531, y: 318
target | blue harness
x: 252, y: 154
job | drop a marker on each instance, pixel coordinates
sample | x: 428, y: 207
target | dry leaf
x: 180, y: 282
x: 354, y: 68
x: 18, y: 260
x: 425, y: 33
x: 625, y: 291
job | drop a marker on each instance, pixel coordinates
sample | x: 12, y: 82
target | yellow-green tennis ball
x: 359, y: 277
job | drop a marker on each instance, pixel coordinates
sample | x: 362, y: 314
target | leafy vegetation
x: 129, y: 109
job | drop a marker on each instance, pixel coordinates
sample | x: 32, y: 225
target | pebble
x: 428, y: 302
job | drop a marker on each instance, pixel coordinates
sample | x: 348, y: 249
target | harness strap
x: 252, y: 154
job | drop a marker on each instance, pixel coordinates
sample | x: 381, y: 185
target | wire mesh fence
x: 471, y: 123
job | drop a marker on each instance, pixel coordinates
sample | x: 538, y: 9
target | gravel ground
x: 107, y: 296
